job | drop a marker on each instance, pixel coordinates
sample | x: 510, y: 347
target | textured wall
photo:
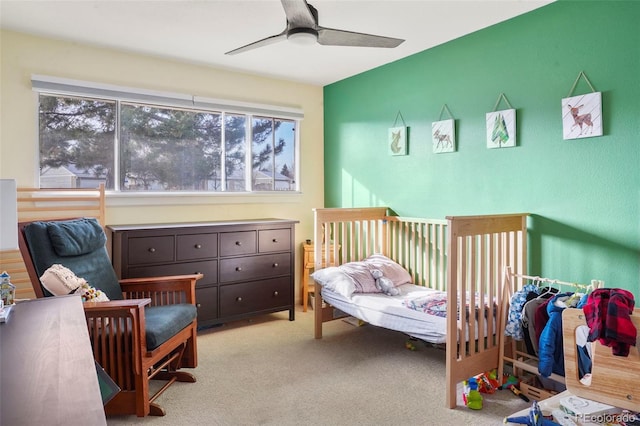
x: 584, y: 194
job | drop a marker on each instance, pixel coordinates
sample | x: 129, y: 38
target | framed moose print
x: 443, y: 136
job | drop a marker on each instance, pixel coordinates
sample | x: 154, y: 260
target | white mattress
x: 389, y: 312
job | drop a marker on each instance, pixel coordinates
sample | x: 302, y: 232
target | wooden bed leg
x: 317, y: 311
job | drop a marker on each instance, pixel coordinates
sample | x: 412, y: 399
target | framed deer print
x: 443, y: 136
x: 501, y: 128
x: 582, y: 116
x: 397, y: 140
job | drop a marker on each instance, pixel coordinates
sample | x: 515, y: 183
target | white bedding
x: 389, y: 312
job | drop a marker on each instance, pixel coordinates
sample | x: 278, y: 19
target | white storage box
x: 586, y: 410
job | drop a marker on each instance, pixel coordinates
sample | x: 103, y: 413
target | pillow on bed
x: 346, y: 279
x: 355, y: 277
x: 335, y: 280
x: 360, y: 274
x: 389, y: 268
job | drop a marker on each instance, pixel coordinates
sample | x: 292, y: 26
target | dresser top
x: 265, y: 221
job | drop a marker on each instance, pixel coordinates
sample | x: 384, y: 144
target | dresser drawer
x: 196, y: 246
x: 274, y: 240
x: 151, y: 249
x: 207, y: 304
x: 237, y: 243
x: 237, y: 299
x: 252, y: 267
x: 209, y: 268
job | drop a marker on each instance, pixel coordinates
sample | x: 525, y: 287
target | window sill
x: 118, y: 199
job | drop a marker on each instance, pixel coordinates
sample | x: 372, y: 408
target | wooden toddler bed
x: 463, y: 256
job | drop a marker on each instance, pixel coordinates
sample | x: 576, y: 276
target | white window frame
x: 49, y: 85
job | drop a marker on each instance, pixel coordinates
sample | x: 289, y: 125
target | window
x: 156, y: 147
x: 76, y: 142
x: 273, y: 156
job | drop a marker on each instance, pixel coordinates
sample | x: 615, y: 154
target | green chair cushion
x: 163, y: 322
x: 95, y: 266
x: 76, y: 237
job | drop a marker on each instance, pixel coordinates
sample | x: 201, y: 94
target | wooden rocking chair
x: 147, y: 330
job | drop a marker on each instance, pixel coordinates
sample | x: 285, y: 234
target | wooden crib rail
x: 464, y: 255
x: 420, y: 246
x: 352, y: 233
x: 479, y: 248
x: 417, y: 244
x: 49, y: 204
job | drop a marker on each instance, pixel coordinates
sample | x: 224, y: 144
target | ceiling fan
x: 302, y: 27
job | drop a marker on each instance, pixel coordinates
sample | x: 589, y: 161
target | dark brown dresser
x: 248, y: 265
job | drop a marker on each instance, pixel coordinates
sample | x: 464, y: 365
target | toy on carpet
x: 511, y: 382
x: 519, y: 393
x: 471, y: 396
x: 534, y: 418
x: 488, y: 381
x: 409, y: 344
x: 384, y: 284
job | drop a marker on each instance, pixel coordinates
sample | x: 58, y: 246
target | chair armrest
x: 164, y: 290
x: 118, y: 337
x: 115, y: 305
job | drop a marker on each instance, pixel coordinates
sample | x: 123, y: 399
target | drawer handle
x: 152, y: 250
x: 198, y: 305
x: 275, y: 240
x: 238, y: 243
x: 238, y: 268
x: 275, y: 265
x: 275, y: 293
x: 238, y: 299
x: 198, y: 246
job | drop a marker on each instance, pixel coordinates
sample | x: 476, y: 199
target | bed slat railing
x: 463, y: 255
x: 419, y: 245
x: 49, y: 204
x: 352, y: 234
x: 479, y: 249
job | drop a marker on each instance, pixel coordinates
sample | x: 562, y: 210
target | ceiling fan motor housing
x: 302, y: 35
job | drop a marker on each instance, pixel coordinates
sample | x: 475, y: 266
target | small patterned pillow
x: 60, y: 281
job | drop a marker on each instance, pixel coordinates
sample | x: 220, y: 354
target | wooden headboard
x: 614, y: 379
x: 49, y: 204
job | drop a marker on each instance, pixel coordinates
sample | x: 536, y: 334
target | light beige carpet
x: 270, y: 371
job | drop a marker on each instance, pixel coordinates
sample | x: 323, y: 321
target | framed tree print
x: 501, y: 128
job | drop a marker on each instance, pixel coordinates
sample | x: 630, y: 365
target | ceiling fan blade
x: 264, y: 42
x: 333, y: 37
x: 299, y: 14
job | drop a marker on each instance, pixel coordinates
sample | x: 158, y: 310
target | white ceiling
x: 201, y: 31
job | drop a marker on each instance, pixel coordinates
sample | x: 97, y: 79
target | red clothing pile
x: 608, y: 314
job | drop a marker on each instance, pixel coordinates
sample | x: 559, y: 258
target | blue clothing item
x: 550, y: 351
x: 514, y: 320
x: 583, y: 300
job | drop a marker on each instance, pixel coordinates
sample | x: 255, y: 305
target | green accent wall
x: 583, y: 194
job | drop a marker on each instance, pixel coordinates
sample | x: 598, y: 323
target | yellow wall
x: 24, y: 55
